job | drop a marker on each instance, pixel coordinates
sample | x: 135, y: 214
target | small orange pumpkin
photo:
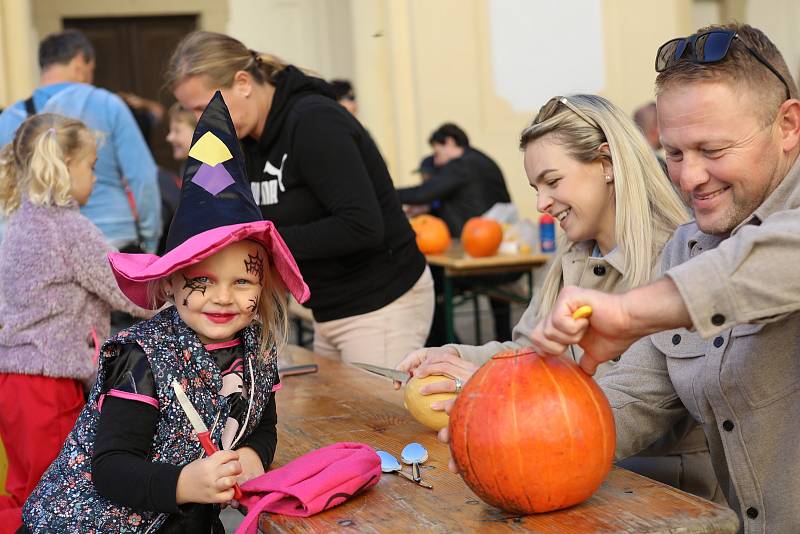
x: 532, y: 434
x: 481, y: 237
x: 433, y: 236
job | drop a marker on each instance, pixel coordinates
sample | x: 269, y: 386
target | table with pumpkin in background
x: 344, y: 403
x: 456, y: 263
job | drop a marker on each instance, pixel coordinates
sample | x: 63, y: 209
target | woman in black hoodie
x: 317, y: 174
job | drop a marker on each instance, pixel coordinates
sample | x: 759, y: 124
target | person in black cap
x: 345, y: 95
x: 318, y: 175
x: 132, y: 460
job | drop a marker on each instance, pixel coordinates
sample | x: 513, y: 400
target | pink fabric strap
x: 314, y: 482
x: 224, y: 344
x: 126, y: 395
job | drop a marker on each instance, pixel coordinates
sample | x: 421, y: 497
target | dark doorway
x: 132, y: 53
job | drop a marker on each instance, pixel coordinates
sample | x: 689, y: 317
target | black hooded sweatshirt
x: 317, y: 174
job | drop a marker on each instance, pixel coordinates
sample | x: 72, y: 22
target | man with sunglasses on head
x: 716, y: 337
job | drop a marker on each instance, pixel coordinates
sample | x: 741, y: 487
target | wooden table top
x: 344, y: 403
x: 457, y: 262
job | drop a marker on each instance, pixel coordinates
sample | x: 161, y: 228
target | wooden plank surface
x: 343, y: 403
x: 459, y: 264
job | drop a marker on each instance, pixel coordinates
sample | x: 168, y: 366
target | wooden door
x: 132, y: 54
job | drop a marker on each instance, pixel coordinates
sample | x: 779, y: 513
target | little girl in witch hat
x: 133, y: 463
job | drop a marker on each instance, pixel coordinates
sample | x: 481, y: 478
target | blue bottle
x: 547, y: 233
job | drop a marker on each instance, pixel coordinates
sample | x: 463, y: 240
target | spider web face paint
x: 255, y: 265
x: 192, y: 285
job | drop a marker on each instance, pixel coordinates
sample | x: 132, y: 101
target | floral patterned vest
x: 65, y: 500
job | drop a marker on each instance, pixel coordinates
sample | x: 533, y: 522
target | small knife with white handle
x: 200, y: 428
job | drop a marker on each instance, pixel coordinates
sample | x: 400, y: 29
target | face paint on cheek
x: 192, y: 286
x: 253, y: 306
x: 255, y: 265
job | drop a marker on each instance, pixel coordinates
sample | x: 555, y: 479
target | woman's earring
x: 607, y: 179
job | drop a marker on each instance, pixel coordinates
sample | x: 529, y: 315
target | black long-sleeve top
x: 120, y: 468
x: 318, y: 175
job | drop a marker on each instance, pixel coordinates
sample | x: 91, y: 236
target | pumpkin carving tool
x: 584, y: 312
x: 200, y: 428
x: 394, y: 374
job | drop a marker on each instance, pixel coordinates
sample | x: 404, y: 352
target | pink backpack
x: 314, y: 482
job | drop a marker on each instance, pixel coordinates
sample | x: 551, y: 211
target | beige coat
x: 679, y: 456
x: 741, y: 382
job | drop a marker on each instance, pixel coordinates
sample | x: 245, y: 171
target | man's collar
x: 704, y: 241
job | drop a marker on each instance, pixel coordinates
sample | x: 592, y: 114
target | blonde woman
x: 594, y: 173
x: 317, y: 174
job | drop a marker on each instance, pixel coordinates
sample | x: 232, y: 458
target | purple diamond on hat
x: 213, y: 179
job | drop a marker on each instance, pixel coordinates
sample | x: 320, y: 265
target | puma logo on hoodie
x: 266, y: 193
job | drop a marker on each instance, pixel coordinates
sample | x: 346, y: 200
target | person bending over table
x: 317, y: 174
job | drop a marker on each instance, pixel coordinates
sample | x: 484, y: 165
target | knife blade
x: 200, y: 428
x: 394, y: 374
x: 293, y: 370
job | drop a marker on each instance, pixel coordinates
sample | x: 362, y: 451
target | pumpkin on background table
x: 532, y: 434
x: 433, y: 236
x: 481, y: 237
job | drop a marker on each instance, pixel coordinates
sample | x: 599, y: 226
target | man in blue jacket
x: 67, y: 67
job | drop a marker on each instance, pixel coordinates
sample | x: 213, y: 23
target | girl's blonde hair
x: 646, y: 203
x: 178, y: 113
x: 219, y: 57
x: 272, y: 311
x: 34, y: 163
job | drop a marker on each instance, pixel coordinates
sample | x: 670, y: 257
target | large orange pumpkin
x: 433, y: 236
x: 532, y: 434
x: 481, y: 237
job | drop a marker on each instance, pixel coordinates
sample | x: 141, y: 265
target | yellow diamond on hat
x: 210, y: 150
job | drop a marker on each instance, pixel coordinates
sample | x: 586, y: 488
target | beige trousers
x: 381, y: 337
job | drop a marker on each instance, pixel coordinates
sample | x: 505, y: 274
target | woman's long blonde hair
x: 219, y: 57
x: 646, y: 204
x: 34, y: 164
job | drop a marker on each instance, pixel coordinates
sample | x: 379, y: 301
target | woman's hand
x: 437, y: 361
x: 444, y: 433
x: 209, y: 480
x: 415, y: 358
x: 446, y: 364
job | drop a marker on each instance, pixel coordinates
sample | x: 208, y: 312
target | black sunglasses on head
x: 707, y: 47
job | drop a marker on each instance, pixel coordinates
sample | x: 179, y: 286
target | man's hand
x: 603, y: 335
x: 617, y: 321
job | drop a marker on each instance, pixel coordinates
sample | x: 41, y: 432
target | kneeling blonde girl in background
x: 56, y: 295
